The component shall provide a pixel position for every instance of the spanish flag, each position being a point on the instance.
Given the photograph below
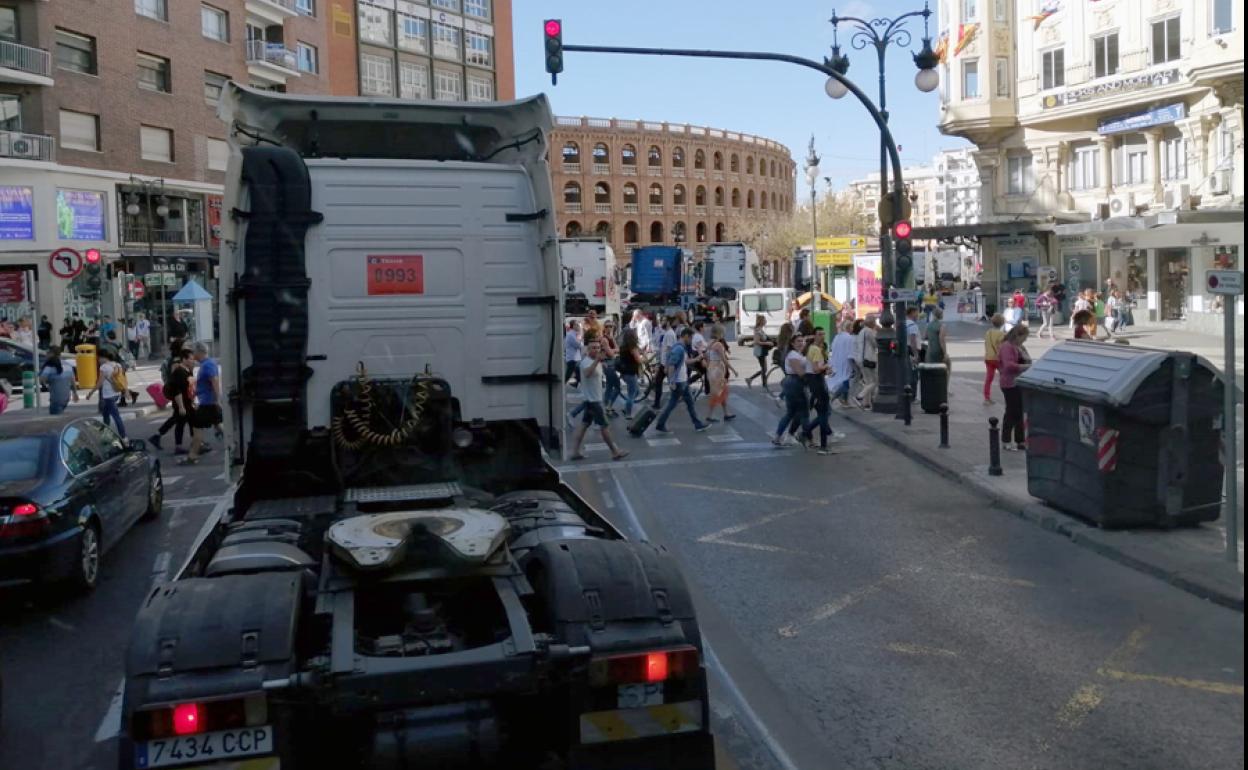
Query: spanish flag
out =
(966, 33)
(942, 47)
(1046, 11)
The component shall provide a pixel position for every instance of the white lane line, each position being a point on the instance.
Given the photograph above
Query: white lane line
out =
(187, 502)
(673, 441)
(219, 477)
(61, 624)
(679, 460)
(1018, 582)
(904, 648)
(161, 566)
(110, 725)
(596, 448)
(725, 438)
(171, 480)
(720, 537)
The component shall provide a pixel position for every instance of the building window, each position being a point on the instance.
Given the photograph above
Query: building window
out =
(1085, 165)
(152, 9)
(1173, 156)
(970, 10)
(1105, 55)
(445, 41)
(75, 52)
(1221, 16)
(308, 57)
(376, 75)
(306, 7)
(479, 49)
(218, 154)
(214, 23)
(8, 23)
(154, 73)
(1131, 160)
(413, 80)
(80, 131)
(628, 155)
(654, 157)
(214, 86)
(970, 79)
(375, 25)
(480, 88)
(1020, 180)
(448, 86)
(413, 33)
(1053, 69)
(450, 5)
(479, 9)
(1001, 73)
(156, 144)
(1166, 40)
(1000, 10)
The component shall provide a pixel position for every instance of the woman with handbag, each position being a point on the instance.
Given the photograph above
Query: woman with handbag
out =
(762, 348)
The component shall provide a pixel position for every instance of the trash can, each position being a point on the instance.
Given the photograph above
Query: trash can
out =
(87, 365)
(822, 319)
(933, 387)
(1124, 436)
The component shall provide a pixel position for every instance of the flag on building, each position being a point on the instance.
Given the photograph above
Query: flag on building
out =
(1047, 10)
(942, 47)
(966, 33)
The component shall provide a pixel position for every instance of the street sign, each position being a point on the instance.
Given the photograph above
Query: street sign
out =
(12, 287)
(1225, 281)
(839, 251)
(65, 263)
(903, 295)
(137, 289)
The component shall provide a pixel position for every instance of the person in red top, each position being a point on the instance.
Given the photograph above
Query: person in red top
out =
(1014, 360)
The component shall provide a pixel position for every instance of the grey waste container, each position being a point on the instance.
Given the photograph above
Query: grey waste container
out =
(933, 387)
(1124, 436)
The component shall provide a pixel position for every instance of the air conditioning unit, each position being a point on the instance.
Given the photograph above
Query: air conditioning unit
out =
(1122, 205)
(1099, 211)
(21, 147)
(1178, 198)
(1220, 182)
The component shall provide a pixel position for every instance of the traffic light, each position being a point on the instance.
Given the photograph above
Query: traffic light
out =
(554, 48)
(904, 250)
(94, 266)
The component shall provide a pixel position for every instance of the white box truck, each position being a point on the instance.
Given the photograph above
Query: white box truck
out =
(590, 277)
(728, 268)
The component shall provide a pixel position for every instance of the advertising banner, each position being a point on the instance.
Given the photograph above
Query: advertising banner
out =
(17, 214)
(868, 276)
(79, 215)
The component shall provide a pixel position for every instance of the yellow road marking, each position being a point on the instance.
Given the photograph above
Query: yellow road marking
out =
(720, 537)
(1127, 650)
(1220, 688)
(918, 649)
(1081, 704)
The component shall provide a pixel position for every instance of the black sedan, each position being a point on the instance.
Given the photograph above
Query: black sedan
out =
(15, 359)
(69, 489)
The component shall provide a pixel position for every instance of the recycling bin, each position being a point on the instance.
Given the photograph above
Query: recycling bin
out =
(87, 365)
(1124, 436)
(933, 387)
(822, 319)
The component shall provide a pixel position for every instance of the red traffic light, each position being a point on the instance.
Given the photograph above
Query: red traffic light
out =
(93, 256)
(902, 230)
(553, 27)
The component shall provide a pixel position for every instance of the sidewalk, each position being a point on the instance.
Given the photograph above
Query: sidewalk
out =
(139, 378)
(1192, 559)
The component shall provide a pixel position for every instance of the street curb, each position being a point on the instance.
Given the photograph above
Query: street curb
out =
(1054, 521)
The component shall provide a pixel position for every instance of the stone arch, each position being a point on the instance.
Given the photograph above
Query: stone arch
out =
(736, 198)
(628, 155)
(678, 195)
(700, 232)
(734, 164)
(602, 192)
(678, 157)
(573, 229)
(656, 232)
(699, 159)
(602, 154)
(717, 161)
(571, 152)
(631, 232)
(654, 157)
(699, 196)
(721, 232)
(572, 192)
(719, 196)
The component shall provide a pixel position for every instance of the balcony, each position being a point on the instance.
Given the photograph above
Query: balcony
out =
(24, 64)
(572, 208)
(699, 211)
(602, 208)
(602, 169)
(678, 209)
(628, 170)
(272, 11)
(631, 208)
(678, 171)
(161, 236)
(572, 168)
(656, 208)
(271, 62)
(19, 146)
(654, 170)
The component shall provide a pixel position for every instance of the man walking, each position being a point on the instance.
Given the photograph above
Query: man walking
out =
(111, 383)
(572, 354)
(144, 329)
(594, 413)
(677, 371)
(207, 412)
(177, 389)
(667, 341)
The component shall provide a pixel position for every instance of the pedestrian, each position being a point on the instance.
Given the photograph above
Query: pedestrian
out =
(698, 348)
(937, 339)
(111, 383)
(24, 334)
(592, 324)
(804, 325)
(59, 379)
(667, 341)
(45, 333)
(144, 328)
(678, 381)
(1046, 303)
(591, 378)
(132, 337)
(718, 368)
(795, 313)
(992, 354)
(1082, 302)
(66, 334)
(611, 347)
(816, 383)
(779, 351)
(207, 412)
(108, 328)
(1114, 305)
(914, 347)
(839, 365)
(1098, 309)
(177, 388)
(1085, 325)
(178, 330)
(929, 302)
(868, 357)
(628, 367)
(572, 354)
(762, 345)
(1014, 361)
(793, 389)
(855, 326)
(643, 328)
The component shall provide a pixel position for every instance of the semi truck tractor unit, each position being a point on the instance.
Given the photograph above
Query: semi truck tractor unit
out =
(589, 277)
(397, 576)
(657, 274)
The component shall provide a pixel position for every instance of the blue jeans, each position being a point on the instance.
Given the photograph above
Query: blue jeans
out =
(795, 405)
(613, 386)
(680, 392)
(109, 410)
(630, 393)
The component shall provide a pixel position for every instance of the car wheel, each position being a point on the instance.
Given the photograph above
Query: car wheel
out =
(155, 496)
(87, 566)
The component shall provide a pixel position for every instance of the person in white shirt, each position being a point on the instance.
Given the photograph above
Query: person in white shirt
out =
(642, 326)
(793, 390)
(24, 334)
(109, 395)
(667, 341)
(795, 314)
(676, 363)
(573, 352)
(144, 329)
(591, 388)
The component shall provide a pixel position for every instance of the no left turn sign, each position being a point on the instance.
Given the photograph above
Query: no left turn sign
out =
(65, 263)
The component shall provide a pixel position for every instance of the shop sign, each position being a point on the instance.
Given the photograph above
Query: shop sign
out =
(1125, 85)
(17, 214)
(12, 287)
(1146, 119)
(161, 279)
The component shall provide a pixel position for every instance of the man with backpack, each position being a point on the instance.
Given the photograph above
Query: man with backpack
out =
(677, 375)
(177, 378)
(111, 384)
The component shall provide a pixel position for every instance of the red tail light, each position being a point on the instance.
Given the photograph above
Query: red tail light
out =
(186, 719)
(25, 509)
(200, 717)
(23, 520)
(644, 668)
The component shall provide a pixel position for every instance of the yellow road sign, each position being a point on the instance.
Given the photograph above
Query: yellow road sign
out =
(839, 251)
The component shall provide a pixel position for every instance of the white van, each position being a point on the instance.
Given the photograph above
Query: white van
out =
(771, 304)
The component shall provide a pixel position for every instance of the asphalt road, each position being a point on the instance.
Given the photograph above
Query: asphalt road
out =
(859, 611)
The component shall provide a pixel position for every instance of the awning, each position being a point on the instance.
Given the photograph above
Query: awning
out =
(804, 299)
(192, 292)
(1008, 229)
(1173, 229)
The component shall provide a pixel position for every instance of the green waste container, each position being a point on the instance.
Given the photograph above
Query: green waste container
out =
(822, 319)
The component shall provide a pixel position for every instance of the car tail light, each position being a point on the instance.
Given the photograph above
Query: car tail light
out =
(25, 509)
(644, 668)
(23, 520)
(192, 718)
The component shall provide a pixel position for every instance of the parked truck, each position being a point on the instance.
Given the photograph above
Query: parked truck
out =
(397, 577)
(589, 277)
(728, 268)
(656, 279)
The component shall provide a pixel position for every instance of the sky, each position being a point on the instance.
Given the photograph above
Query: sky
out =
(779, 101)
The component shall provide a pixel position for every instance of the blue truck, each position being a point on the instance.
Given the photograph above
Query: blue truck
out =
(656, 279)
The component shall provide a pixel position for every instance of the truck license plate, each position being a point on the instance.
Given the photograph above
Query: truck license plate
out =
(634, 696)
(208, 747)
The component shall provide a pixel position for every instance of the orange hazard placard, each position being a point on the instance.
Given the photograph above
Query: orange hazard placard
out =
(396, 274)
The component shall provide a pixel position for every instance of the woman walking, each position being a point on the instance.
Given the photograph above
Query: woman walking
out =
(793, 389)
(839, 366)
(718, 369)
(868, 358)
(992, 354)
(628, 366)
(1046, 303)
(762, 347)
(1014, 361)
(59, 380)
(817, 386)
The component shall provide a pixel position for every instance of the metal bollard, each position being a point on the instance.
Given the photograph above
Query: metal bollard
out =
(944, 426)
(994, 447)
(906, 411)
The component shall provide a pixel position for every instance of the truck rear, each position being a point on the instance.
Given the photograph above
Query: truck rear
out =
(398, 578)
(730, 268)
(590, 277)
(656, 278)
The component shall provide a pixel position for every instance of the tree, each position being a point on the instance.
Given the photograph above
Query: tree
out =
(839, 214)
